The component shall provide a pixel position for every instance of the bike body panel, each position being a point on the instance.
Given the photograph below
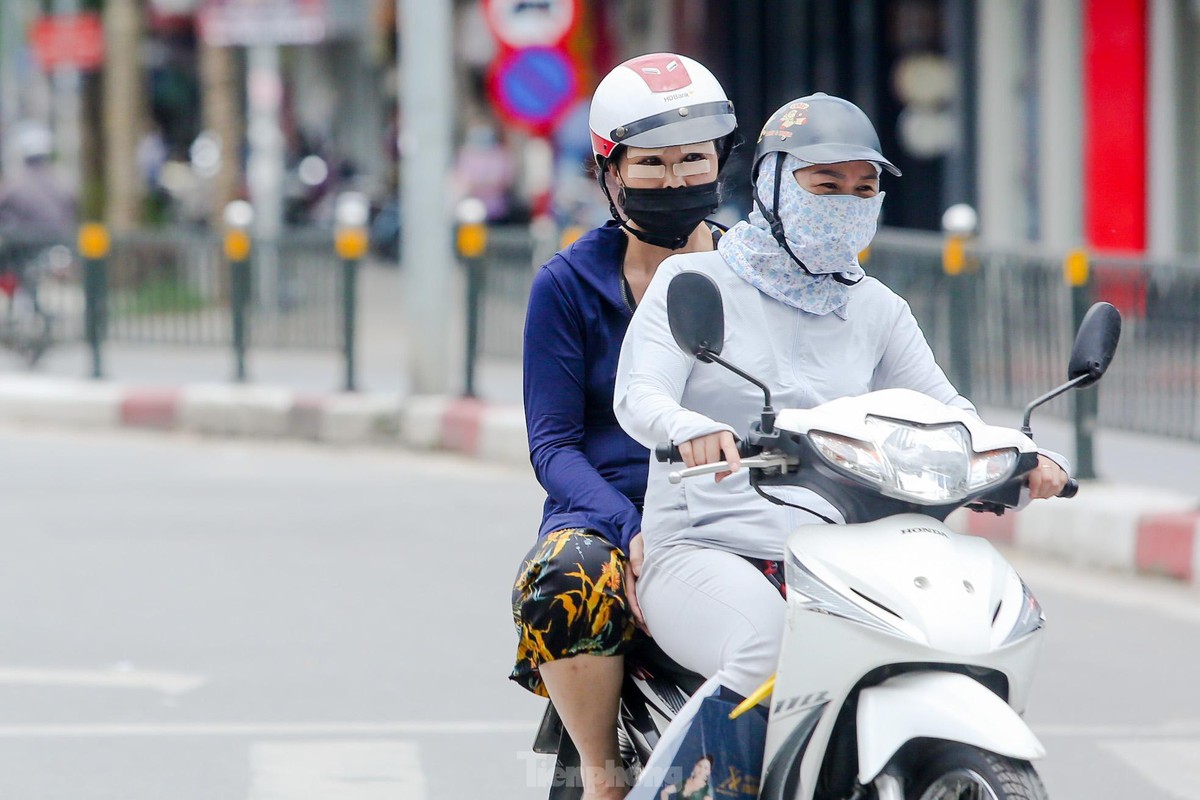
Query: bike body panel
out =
(940, 706)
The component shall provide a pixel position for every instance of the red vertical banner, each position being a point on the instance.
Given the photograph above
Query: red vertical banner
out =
(1115, 111)
(1115, 169)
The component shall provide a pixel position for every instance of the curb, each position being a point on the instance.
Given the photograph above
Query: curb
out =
(210, 409)
(426, 422)
(1107, 526)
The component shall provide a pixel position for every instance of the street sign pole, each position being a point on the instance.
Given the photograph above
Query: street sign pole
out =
(262, 27)
(427, 124)
(10, 43)
(265, 164)
(67, 102)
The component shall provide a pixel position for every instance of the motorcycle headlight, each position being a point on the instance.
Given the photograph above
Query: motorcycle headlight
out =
(930, 465)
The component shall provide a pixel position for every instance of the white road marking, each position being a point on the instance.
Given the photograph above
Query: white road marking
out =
(119, 677)
(347, 770)
(135, 729)
(1169, 765)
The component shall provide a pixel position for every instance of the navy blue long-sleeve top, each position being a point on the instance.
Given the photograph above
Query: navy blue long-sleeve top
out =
(594, 474)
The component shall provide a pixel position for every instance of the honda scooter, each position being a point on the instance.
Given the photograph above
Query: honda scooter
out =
(909, 649)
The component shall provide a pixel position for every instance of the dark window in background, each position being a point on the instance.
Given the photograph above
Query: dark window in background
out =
(891, 58)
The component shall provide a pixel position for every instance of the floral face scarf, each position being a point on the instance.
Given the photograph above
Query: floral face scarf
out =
(825, 232)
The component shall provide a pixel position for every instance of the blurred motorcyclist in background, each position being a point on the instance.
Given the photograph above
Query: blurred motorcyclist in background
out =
(32, 199)
(36, 210)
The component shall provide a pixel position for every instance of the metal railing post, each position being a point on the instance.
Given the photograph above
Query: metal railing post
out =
(959, 223)
(239, 215)
(351, 213)
(1085, 403)
(471, 240)
(94, 246)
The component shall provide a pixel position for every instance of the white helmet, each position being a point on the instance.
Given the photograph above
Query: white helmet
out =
(659, 100)
(33, 140)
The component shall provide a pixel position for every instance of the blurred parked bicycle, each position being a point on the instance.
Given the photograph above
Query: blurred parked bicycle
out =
(26, 328)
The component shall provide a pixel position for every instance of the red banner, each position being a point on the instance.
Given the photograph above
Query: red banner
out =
(1114, 74)
(68, 40)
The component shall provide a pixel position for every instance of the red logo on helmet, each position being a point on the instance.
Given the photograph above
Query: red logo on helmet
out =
(662, 72)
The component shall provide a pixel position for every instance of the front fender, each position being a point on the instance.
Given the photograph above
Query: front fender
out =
(937, 705)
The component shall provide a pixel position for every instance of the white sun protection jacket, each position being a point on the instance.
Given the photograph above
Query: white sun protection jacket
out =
(663, 394)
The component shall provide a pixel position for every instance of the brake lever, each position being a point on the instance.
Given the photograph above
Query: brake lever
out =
(764, 461)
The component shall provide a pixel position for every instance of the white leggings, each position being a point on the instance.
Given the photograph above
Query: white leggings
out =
(714, 613)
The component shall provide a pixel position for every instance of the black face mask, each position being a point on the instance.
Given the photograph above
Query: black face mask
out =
(667, 217)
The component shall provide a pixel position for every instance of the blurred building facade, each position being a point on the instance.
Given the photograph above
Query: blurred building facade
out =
(164, 119)
(1064, 122)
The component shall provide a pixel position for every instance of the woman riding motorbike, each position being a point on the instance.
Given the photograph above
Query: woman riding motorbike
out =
(661, 128)
(801, 315)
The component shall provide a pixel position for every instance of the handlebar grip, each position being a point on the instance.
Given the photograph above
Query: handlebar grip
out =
(1071, 489)
(668, 452)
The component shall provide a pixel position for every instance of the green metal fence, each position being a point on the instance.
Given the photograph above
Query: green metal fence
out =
(177, 287)
(174, 288)
(1002, 328)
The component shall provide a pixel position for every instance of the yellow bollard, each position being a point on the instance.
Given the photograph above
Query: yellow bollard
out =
(1075, 268)
(94, 242)
(350, 243)
(472, 239)
(954, 255)
(237, 244)
(238, 217)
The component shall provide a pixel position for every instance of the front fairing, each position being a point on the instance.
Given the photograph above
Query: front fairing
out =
(909, 594)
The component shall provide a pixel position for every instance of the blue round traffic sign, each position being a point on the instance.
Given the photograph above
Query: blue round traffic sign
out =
(533, 86)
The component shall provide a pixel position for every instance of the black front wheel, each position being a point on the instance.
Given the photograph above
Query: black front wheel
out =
(956, 771)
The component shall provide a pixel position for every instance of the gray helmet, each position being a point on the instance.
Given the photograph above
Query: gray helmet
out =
(821, 129)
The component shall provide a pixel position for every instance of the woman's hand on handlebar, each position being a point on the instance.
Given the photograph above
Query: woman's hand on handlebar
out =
(1046, 480)
(720, 446)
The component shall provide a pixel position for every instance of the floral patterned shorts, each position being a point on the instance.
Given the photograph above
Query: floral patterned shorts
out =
(569, 600)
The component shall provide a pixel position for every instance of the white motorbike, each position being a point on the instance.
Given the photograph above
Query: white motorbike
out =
(909, 649)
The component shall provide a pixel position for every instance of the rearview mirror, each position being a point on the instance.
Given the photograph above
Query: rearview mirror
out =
(696, 315)
(1095, 344)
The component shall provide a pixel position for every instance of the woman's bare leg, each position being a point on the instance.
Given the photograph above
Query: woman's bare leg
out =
(586, 691)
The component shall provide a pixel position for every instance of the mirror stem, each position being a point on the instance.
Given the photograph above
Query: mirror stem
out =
(1048, 396)
(768, 413)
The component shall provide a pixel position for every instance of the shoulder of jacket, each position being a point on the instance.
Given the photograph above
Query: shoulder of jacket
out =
(874, 291)
(585, 254)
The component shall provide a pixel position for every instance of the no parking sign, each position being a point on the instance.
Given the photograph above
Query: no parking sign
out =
(532, 87)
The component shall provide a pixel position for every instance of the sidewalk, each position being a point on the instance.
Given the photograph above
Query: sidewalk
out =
(1144, 516)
